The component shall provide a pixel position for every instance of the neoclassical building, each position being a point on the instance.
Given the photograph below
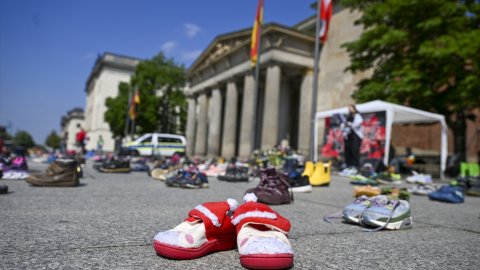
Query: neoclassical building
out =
(222, 84)
(108, 72)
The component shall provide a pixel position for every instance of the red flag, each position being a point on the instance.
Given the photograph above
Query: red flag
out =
(325, 16)
(256, 31)
(134, 105)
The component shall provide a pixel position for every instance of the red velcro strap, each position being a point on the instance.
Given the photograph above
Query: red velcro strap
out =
(258, 213)
(214, 217)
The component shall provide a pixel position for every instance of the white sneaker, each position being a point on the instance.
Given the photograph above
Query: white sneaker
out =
(420, 179)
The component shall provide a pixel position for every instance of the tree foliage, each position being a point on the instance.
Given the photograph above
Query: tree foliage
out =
(4, 134)
(162, 100)
(53, 140)
(423, 53)
(23, 139)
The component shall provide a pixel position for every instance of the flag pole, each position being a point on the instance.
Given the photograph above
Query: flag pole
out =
(257, 79)
(315, 84)
(127, 118)
(134, 112)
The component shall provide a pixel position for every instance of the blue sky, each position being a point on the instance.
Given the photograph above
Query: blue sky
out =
(48, 47)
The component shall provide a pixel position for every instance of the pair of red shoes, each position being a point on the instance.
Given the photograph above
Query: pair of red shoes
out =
(259, 233)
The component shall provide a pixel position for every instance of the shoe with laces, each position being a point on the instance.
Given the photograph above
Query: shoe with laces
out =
(273, 188)
(352, 212)
(387, 214)
(61, 173)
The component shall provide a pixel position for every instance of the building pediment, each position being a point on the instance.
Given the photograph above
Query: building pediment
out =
(233, 48)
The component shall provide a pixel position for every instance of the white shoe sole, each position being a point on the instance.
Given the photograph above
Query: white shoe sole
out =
(399, 225)
(301, 189)
(351, 219)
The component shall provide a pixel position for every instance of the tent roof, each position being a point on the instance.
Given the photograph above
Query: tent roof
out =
(401, 114)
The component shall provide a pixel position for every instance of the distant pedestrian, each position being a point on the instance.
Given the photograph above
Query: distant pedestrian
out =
(100, 143)
(80, 139)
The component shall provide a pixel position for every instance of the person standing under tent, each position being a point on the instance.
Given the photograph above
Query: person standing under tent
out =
(352, 135)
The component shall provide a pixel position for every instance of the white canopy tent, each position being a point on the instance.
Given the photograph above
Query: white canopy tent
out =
(395, 114)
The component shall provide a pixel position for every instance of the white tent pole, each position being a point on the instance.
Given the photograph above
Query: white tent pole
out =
(443, 149)
(315, 140)
(388, 135)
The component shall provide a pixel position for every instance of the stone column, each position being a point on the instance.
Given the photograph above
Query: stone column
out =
(271, 107)
(305, 112)
(191, 126)
(230, 121)
(214, 118)
(246, 139)
(202, 118)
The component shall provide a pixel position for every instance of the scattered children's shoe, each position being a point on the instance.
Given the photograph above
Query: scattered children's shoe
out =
(362, 180)
(420, 179)
(473, 186)
(208, 228)
(300, 184)
(348, 172)
(3, 189)
(321, 175)
(395, 193)
(422, 189)
(449, 194)
(262, 236)
(368, 191)
(387, 214)
(352, 212)
(61, 173)
(273, 188)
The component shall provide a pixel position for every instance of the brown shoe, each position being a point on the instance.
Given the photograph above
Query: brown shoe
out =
(273, 188)
(61, 173)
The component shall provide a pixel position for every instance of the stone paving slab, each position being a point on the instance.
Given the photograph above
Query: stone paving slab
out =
(109, 222)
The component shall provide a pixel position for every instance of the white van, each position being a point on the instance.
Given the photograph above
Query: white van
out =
(158, 144)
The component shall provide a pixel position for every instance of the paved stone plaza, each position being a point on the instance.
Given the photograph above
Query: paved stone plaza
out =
(109, 222)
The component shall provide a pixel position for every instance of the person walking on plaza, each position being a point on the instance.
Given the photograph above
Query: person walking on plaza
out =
(100, 145)
(353, 136)
(80, 139)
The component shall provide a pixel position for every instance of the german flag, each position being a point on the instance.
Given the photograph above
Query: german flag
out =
(134, 105)
(256, 31)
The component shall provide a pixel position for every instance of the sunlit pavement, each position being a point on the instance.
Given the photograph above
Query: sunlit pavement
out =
(109, 221)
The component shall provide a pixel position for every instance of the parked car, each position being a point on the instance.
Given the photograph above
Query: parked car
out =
(157, 144)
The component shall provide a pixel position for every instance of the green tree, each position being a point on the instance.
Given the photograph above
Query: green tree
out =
(160, 82)
(423, 53)
(4, 134)
(23, 139)
(53, 140)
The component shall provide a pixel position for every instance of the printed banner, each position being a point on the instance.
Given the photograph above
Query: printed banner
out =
(373, 143)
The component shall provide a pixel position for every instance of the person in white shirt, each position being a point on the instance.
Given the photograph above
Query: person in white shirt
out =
(353, 136)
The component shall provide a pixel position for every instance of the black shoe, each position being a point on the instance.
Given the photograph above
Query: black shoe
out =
(300, 184)
(473, 186)
(193, 180)
(115, 166)
(3, 189)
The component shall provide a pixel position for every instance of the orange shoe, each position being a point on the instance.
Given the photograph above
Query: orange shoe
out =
(368, 191)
